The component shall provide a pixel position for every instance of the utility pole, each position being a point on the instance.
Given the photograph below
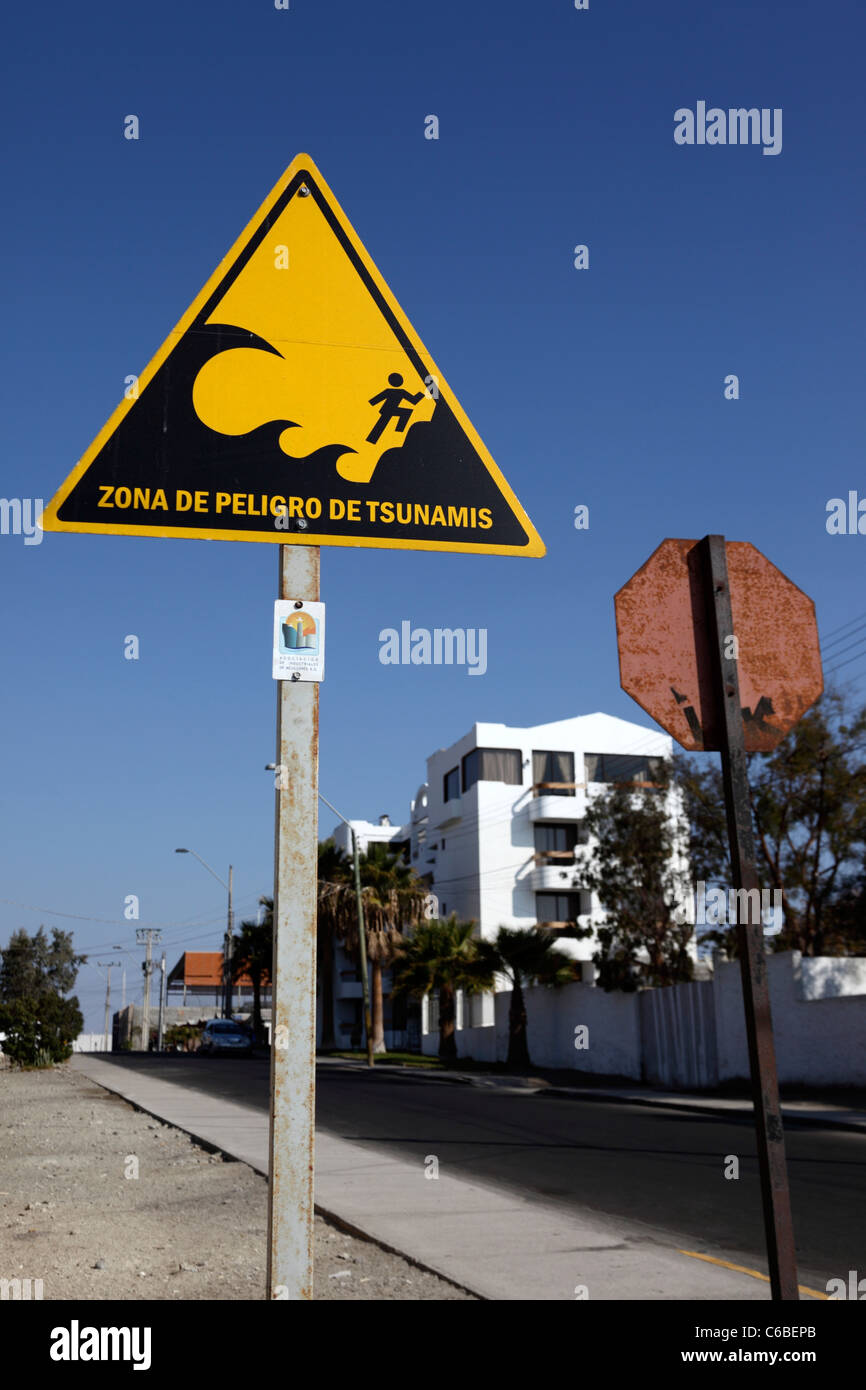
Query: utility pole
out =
(109, 965)
(160, 1032)
(145, 936)
(107, 1006)
(227, 953)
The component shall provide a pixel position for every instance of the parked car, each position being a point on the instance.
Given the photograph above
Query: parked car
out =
(223, 1035)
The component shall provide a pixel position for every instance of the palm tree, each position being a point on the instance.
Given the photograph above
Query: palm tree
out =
(443, 955)
(252, 954)
(394, 898)
(526, 957)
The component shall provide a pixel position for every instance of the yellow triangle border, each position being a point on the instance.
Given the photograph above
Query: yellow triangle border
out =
(301, 164)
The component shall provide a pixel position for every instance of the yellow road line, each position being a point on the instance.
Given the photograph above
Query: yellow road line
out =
(755, 1273)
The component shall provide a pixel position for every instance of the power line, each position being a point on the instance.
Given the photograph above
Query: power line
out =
(826, 646)
(174, 941)
(858, 656)
(851, 621)
(858, 641)
(108, 921)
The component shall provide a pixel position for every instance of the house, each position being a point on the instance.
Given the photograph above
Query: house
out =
(198, 976)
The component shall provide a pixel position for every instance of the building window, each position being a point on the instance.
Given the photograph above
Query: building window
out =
(476, 1010)
(557, 907)
(452, 784)
(555, 839)
(554, 767)
(620, 767)
(492, 765)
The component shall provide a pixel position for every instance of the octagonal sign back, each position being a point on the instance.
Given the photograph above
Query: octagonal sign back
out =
(666, 660)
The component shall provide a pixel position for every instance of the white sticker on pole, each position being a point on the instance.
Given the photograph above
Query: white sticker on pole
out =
(299, 640)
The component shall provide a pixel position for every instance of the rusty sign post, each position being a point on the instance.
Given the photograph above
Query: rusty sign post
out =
(293, 987)
(701, 627)
(776, 1199)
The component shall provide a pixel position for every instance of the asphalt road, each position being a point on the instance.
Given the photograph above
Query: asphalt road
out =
(663, 1168)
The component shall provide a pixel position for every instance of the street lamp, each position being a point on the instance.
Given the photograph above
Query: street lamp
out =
(230, 926)
(362, 931)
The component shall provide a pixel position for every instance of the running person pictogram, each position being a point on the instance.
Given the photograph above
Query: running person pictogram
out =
(391, 409)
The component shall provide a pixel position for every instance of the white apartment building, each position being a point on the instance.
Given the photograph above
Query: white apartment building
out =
(368, 832)
(497, 825)
(497, 828)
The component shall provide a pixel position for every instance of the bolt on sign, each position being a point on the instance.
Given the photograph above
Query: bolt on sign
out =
(666, 658)
(295, 403)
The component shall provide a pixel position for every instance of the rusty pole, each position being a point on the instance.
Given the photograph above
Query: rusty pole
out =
(778, 1225)
(293, 987)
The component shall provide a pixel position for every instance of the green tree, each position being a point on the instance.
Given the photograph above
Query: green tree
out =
(252, 955)
(183, 1037)
(443, 955)
(394, 899)
(40, 1030)
(634, 864)
(526, 957)
(35, 973)
(31, 964)
(808, 801)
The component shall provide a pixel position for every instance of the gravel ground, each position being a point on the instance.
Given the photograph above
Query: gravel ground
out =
(190, 1225)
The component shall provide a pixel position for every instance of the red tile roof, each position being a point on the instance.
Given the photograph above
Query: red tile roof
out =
(204, 970)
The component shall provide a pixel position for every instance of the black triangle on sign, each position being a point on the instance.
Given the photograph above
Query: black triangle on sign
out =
(294, 402)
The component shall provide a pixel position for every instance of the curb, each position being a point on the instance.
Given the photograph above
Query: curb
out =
(695, 1107)
(334, 1219)
(692, 1106)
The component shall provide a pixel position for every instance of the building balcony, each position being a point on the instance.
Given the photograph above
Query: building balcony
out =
(555, 801)
(553, 872)
(583, 919)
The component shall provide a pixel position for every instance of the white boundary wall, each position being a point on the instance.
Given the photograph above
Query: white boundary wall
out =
(819, 1023)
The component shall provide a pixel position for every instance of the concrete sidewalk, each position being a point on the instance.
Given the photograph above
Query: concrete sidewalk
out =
(815, 1111)
(496, 1243)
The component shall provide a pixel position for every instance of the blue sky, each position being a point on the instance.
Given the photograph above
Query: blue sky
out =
(602, 387)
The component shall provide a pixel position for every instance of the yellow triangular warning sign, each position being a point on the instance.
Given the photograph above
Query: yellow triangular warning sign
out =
(294, 402)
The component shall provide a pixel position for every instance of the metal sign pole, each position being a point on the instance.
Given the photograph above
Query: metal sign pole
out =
(293, 987)
(781, 1252)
